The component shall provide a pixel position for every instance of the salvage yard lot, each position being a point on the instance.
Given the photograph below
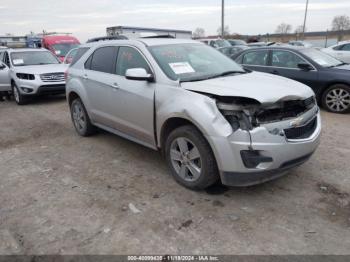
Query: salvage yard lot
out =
(61, 193)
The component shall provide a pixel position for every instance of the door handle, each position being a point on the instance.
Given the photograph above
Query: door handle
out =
(85, 76)
(115, 86)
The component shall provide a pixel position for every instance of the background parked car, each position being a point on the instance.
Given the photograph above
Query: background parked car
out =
(235, 42)
(340, 51)
(232, 50)
(327, 76)
(60, 45)
(216, 43)
(300, 43)
(31, 72)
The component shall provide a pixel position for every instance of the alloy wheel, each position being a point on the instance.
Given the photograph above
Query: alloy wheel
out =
(186, 159)
(338, 100)
(79, 117)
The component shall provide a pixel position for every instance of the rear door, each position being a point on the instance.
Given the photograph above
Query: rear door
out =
(285, 63)
(256, 60)
(5, 80)
(100, 81)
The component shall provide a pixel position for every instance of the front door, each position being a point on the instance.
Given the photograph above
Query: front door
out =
(285, 63)
(5, 80)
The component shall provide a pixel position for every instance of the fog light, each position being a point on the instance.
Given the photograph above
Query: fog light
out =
(27, 90)
(252, 158)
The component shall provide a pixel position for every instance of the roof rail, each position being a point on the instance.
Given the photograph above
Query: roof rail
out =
(159, 36)
(106, 38)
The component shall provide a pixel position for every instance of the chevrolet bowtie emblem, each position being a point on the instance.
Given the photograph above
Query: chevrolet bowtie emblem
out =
(297, 122)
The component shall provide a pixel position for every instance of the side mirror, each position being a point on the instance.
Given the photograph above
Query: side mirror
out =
(305, 66)
(2, 66)
(139, 74)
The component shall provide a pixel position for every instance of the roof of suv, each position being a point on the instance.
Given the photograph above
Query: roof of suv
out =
(146, 41)
(26, 50)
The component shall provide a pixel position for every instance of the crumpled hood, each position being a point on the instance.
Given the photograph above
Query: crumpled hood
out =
(265, 88)
(41, 69)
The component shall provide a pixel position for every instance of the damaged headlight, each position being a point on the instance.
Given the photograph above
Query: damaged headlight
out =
(239, 112)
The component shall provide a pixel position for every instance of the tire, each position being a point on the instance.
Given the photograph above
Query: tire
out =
(18, 97)
(80, 119)
(182, 147)
(336, 99)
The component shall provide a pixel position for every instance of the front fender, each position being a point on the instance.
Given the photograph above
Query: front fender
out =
(199, 109)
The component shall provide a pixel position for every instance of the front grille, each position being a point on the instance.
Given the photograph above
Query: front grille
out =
(301, 132)
(287, 109)
(52, 77)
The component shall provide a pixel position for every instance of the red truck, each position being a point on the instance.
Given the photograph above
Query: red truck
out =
(60, 45)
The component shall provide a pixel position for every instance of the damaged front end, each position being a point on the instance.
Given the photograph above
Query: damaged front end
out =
(290, 120)
(247, 114)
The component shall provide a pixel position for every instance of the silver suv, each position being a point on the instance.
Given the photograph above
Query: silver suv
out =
(31, 72)
(211, 118)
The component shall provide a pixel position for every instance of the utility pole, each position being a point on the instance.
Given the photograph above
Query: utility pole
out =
(304, 26)
(223, 19)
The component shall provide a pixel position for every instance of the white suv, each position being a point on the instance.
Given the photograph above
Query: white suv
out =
(211, 118)
(31, 72)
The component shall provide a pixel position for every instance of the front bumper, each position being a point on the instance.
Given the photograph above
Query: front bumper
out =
(39, 87)
(284, 153)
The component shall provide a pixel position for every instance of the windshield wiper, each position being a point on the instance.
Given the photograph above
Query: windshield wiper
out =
(338, 65)
(226, 73)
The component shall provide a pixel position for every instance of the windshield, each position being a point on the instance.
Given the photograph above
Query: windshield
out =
(33, 58)
(321, 58)
(237, 42)
(63, 49)
(193, 62)
(222, 43)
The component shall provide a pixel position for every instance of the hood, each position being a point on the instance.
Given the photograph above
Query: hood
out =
(343, 67)
(41, 69)
(265, 88)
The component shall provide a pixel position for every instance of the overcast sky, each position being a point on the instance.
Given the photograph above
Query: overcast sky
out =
(89, 18)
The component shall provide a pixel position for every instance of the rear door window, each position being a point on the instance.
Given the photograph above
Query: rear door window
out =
(286, 59)
(346, 47)
(128, 58)
(103, 59)
(258, 58)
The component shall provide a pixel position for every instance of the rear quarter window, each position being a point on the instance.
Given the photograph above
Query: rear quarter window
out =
(81, 51)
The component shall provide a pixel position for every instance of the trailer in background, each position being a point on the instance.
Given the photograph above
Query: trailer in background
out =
(11, 41)
(140, 32)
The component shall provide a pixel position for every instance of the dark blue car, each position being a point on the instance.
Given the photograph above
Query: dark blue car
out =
(327, 76)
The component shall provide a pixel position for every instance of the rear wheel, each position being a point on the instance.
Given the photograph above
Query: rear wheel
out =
(81, 119)
(19, 98)
(190, 158)
(336, 99)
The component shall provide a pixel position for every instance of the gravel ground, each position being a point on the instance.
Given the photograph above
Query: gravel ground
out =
(64, 194)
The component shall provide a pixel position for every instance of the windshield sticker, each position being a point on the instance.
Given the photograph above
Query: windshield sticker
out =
(321, 62)
(18, 61)
(181, 68)
(58, 52)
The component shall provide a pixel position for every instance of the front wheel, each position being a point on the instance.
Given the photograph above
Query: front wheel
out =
(190, 158)
(19, 98)
(336, 99)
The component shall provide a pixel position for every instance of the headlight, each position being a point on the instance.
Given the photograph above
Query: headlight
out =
(25, 76)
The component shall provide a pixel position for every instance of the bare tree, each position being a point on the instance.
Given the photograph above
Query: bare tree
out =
(341, 23)
(283, 29)
(198, 33)
(226, 31)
